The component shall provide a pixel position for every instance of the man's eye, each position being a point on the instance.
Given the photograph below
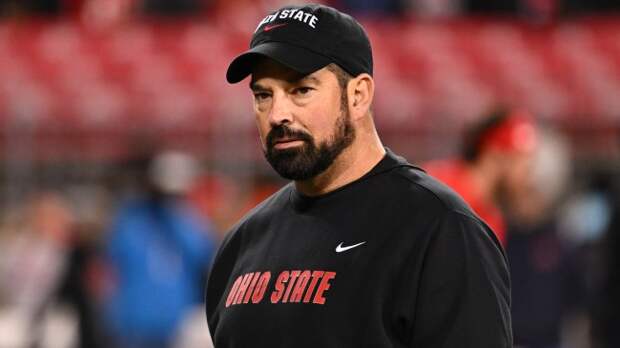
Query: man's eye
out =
(302, 90)
(261, 96)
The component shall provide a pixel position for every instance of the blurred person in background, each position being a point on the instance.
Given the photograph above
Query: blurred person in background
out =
(548, 272)
(33, 262)
(606, 305)
(497, 150)
(83, 284)
(512, 177)
(158, 251)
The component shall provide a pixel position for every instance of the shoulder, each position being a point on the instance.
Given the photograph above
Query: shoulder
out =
(419, 186)
(425, 198)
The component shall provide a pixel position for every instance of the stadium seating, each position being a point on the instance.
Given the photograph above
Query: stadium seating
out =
(59, 75)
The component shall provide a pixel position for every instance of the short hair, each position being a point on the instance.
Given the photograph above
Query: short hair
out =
(342, 76)
(476, 133)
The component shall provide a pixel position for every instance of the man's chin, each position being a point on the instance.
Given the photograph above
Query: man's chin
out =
(289, 163)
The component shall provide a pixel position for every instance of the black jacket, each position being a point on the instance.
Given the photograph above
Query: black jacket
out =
(394, 259)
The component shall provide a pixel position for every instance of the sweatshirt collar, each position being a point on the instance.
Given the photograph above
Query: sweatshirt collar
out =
(389, 161)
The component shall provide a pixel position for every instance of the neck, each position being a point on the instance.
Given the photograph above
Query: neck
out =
(353, 163)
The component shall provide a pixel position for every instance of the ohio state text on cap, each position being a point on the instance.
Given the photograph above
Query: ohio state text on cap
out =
(306, 38)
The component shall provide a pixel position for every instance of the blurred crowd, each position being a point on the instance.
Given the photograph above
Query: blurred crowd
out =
(117, 263)
(115, 252)
(535, 9)
(122, 261)
(516, 175)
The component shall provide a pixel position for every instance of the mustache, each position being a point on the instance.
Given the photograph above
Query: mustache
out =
(280, 132)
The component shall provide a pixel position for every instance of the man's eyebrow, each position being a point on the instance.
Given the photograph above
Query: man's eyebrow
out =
(256, 86)
(309, 78)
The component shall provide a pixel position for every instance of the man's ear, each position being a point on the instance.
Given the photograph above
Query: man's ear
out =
(360, 91)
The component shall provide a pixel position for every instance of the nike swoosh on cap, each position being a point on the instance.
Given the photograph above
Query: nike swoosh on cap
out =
(340, 248)
(273, 26)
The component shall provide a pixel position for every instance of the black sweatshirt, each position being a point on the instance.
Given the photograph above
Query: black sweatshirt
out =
(393, 259)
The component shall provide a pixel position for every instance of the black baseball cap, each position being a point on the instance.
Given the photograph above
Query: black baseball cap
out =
(306, 38)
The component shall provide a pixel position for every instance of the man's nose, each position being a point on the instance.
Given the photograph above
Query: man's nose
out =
(281, 110)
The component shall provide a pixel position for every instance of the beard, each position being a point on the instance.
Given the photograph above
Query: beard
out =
(309, 159)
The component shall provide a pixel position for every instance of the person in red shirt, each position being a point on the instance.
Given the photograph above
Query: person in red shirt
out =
(496, 156)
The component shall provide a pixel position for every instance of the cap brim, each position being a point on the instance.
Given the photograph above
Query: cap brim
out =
(297, 58)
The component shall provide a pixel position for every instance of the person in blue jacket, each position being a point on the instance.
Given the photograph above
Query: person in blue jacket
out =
(158, 250)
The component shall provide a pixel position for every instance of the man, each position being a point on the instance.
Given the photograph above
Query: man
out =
(157, 247)
(362, 249)
(497, 154)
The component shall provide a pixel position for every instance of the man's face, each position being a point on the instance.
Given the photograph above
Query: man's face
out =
(516, 173)
(303, 121)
